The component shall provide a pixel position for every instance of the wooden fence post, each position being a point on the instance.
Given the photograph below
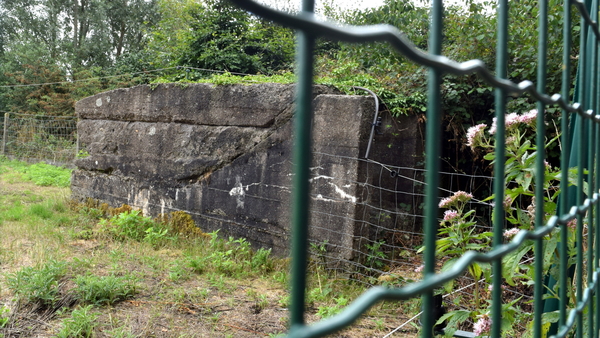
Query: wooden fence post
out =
(5, 133)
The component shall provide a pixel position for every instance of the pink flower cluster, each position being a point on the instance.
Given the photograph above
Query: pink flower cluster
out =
(450, 215)
(572, 223)
(459, 196)
(474, 134)
(507, 202)
(510, 233)
(529, 118)
(419, 268)
(483, 325)
(513, 119)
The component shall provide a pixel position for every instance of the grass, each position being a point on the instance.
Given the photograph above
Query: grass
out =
(77, 271)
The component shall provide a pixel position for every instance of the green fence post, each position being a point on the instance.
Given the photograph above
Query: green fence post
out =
(559, 304)
(596, 222)
(540, 179)
(498, 215)
(593, 223)
(590, 165)
(301, 161)
(432, 165)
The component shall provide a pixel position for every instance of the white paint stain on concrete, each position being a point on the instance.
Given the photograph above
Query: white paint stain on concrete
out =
(98, 102)
(238, 192)
(343, 194)
(320, 177)
(321, 198)
(142, 199)
(152, 131)
(249, 185)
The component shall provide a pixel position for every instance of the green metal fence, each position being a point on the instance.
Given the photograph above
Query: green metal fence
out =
(580, 148)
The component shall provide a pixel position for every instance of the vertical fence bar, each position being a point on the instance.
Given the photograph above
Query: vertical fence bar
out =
(540, 166)
(498, 216)
(564, 164)
(432, 165)
(590, 165)
(594, 225)
(301, 159)
(596, 221)
(590, 216)
(5, 133)
(584, 89)
(579, 226)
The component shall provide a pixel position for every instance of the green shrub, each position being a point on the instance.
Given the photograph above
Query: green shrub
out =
(129, 224)
(37, 285)
(4, 316)
(261, 260)
(197, 264)
(158, 236)
(105, 290)
(81, 324)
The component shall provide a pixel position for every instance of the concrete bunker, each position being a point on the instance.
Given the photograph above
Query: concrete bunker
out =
(223, 154)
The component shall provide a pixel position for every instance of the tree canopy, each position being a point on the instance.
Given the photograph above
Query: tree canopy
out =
(64, 41)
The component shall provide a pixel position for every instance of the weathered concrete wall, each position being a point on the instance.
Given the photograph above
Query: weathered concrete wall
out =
(223, 154)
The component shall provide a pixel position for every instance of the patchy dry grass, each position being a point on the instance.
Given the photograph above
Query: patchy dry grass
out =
(89, 283)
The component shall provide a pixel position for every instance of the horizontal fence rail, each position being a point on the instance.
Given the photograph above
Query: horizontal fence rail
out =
(578, 201)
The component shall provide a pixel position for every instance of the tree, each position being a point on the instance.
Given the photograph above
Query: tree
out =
(63, 40)
(172, 34)
(469, 33)
(227, 38)
(128, 22)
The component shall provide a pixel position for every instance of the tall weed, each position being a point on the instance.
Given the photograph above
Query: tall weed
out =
(81, 324)
(37, 285)
(105, 290)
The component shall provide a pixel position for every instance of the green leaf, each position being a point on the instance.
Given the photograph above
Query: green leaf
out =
(511, 263)
(454, 318)
(549, 250)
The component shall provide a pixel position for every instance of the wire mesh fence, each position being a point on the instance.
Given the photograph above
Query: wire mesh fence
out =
(388, 219)
(34, 138)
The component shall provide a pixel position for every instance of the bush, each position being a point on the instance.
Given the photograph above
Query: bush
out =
(81, 324)
(105, 290)
(37, 285)
(129, 224)
(132, 225)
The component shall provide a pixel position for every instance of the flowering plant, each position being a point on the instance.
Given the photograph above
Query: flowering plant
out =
(457, 234)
